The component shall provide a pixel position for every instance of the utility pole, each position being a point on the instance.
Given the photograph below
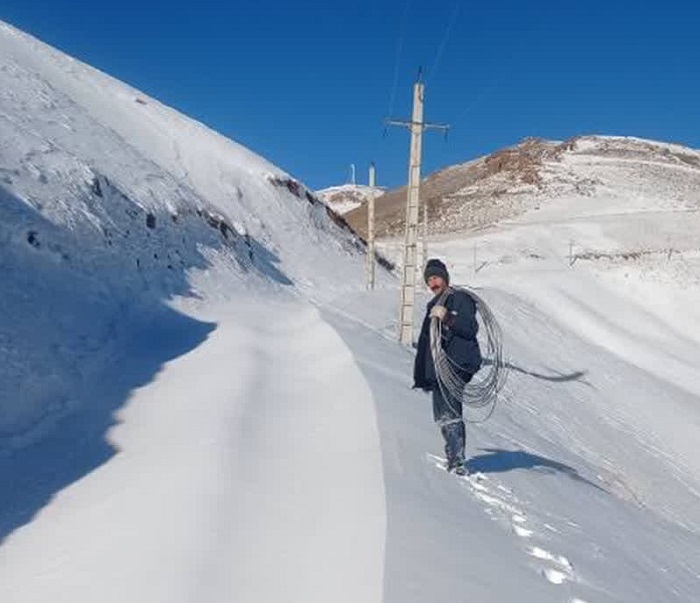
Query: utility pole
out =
(408, 280)
(370, 230)
(424, 238)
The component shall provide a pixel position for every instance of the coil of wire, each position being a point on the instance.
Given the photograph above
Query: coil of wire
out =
(482, 390)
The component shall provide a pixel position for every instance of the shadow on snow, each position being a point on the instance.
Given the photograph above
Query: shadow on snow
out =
(88, 321)
(555, 377)
(496, 460)
(76, 445)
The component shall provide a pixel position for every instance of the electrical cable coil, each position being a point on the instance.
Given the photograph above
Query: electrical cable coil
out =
(482, 390)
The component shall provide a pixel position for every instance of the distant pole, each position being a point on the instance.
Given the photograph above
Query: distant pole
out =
(370, 231)
(372, 175)
(424, 246)
(408, 280)
(352, 174)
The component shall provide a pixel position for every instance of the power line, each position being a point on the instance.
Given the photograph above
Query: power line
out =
(403, 29)
(487, 89)
(496, 80)
(445, 38)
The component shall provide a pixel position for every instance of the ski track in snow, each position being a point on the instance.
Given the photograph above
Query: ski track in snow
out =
(501, 504)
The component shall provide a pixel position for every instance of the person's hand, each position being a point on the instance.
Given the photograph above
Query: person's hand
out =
(438, 312)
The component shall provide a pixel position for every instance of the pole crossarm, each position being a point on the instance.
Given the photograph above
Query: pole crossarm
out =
(424, 125)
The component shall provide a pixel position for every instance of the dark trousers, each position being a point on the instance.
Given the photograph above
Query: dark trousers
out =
(447, 413)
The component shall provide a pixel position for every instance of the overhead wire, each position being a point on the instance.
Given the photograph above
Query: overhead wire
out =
(482, 92)
(445, 38)
(487, 89)
(403, 29)
(505, 69)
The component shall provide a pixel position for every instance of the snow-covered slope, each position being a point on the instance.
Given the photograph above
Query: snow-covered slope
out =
(345, 198)
(537, 173)
(597, 288)
(109, 201)
(200, 402)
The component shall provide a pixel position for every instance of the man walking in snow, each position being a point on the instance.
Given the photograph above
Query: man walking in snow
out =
(459, 328)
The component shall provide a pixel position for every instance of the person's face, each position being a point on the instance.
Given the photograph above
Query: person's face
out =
(436, 284)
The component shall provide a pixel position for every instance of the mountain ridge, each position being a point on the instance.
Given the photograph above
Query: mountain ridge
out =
(512, 181)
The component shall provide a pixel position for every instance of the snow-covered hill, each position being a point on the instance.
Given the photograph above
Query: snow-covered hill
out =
(109, 201)
(200, 402)
(343, 199)
(537, 173)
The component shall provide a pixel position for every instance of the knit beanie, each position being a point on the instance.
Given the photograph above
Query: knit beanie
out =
(435, 267)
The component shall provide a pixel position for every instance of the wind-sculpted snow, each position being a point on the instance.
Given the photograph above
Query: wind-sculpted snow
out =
(231, 468)
(79, 254)
(110, 203)
(116, 213)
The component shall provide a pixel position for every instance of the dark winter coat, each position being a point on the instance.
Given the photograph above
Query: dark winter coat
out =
(459, 331)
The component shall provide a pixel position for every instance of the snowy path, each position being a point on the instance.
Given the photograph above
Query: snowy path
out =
(231, 482)
(546, 504)
(310, 465)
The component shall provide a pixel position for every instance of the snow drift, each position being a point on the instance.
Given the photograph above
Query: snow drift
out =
(109, 201)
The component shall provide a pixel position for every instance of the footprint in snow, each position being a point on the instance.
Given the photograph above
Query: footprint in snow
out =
(517, 522)
(560, 570)
(560, 560)
(501, 501)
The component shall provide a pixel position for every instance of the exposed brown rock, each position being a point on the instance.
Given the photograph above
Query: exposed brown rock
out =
(512, 181)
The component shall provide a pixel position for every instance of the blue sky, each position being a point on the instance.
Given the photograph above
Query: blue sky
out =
(308, 85)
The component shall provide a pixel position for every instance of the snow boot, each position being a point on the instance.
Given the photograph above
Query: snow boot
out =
(460, 470)
(454, 435)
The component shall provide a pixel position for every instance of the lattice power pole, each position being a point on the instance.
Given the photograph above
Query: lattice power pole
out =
(410, 253)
